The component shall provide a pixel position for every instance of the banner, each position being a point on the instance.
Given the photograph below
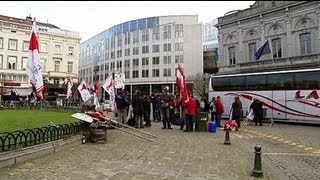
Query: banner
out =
(84, 92)
(119, 79)
(34, 69)
(70, 84)
(108, 86)
(181, 82)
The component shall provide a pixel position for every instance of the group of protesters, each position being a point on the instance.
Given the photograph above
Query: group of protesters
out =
(170, 108)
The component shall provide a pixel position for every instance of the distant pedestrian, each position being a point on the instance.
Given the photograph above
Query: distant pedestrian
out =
(190, 112)
(122, 103)
(153, 102)
(166, 102)
(237, 110)
(138, 109)
(219, 111)
(206, 105)
(256, 106)
(213, 108)
(157, 108)
(147, 110)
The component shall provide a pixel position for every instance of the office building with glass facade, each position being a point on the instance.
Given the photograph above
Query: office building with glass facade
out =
(146, 50)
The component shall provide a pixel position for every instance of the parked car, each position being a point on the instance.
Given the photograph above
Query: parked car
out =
(106, 105)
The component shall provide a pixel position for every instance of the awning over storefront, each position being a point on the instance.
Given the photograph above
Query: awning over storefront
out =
(20, 92)
(24, 92)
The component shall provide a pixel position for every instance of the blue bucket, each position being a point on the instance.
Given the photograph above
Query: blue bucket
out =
(212, 127)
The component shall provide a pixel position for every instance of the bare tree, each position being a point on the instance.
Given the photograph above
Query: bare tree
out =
(200, 84)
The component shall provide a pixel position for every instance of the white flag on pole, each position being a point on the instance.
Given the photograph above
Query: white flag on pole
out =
(84, 92)
(96, 95)
(70, 84)
(108, 86)
(34, 69)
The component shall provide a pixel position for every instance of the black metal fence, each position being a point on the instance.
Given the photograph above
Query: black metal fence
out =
(44, 104)
(29, 137)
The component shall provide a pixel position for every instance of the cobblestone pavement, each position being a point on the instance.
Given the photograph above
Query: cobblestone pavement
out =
(175, 155)
(293, 150)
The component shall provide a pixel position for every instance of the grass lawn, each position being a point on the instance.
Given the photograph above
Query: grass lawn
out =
(11, 120)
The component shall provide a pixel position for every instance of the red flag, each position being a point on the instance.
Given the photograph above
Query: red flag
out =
(181, 81)
(34, 68)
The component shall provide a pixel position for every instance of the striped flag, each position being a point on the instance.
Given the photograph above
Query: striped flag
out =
(84, 92)
(109, 86)
(264, 49)
(181, 82)
(70, 84)
(96, 95)
(34, 69)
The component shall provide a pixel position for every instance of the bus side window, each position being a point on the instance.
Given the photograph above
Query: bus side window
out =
(237, 83)
(256, 82)
(221, 84)
(289, 81)
(273, 82)
(307, 80)
(282, 81)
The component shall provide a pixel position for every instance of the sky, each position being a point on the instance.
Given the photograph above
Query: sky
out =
(92, 17)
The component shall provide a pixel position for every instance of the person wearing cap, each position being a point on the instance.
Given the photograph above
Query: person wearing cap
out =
(237, 110)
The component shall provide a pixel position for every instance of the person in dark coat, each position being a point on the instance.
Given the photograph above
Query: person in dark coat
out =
(122, 102)
(157, 108)
(237, 110)
(256, 106)
(153, 102)
(147, 110)
(166, 102)
(138, 109)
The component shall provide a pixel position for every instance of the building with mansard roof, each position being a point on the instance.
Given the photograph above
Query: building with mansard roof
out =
(290, 27)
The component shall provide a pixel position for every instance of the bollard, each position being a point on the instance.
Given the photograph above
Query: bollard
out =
(227, 137)
(257, 169)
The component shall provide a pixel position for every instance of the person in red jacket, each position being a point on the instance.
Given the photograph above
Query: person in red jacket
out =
(190, 113)
(219, 111)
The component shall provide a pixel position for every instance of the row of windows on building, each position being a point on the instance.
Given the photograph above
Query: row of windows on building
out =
(11, 25)
(305, 48)
(136, 50)
(12, 63)
(14, 78)
(13, 45)
(166, 34)
(21, 78)
(144, 73)
(144, 62)
(111, 43)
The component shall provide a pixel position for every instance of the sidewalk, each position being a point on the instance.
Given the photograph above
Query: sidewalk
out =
(175, 155)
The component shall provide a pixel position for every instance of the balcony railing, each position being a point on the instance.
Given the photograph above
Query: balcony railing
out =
(306, 61)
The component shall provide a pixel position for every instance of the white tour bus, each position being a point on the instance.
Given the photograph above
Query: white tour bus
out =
(291, 95)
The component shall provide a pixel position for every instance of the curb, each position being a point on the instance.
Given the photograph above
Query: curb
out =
(18, 156)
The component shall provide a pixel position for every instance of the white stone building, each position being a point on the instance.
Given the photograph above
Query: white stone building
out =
(146, 50)
(59, 53)
(291, 28)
